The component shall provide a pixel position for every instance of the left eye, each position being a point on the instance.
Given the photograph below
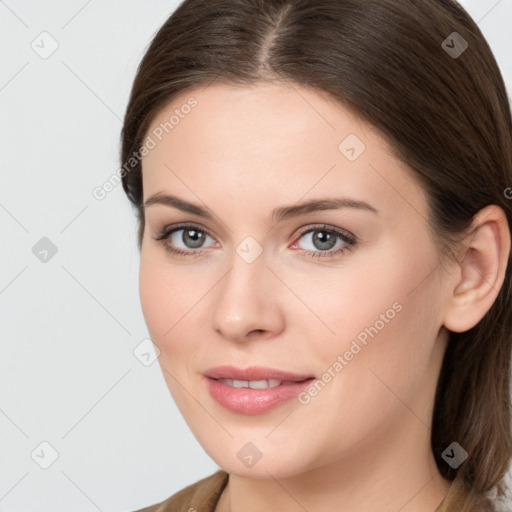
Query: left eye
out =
(325, 240)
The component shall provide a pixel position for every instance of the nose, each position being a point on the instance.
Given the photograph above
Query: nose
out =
(247, 302)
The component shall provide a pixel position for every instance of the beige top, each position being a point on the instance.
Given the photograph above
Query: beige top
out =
(203, 495)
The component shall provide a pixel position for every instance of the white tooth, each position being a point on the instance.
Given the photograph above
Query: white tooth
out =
(252, 384)
(258, 384)
(240, 383)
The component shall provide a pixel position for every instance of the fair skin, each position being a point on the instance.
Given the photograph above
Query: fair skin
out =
(364, 440)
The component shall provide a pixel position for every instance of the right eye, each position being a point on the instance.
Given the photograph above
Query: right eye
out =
(190, 236)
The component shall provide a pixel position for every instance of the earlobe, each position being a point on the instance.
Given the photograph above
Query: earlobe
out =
(482, 270)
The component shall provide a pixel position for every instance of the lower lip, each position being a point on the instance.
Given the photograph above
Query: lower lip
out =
(254, 401)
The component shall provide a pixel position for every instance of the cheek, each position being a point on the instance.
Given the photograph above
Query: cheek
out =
(391, 376)
(171, 300)
(383, 366)
(162, 296)
(162, 306)
(384, 316)
(154, 300)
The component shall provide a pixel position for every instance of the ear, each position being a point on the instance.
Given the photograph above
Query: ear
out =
(482, 270)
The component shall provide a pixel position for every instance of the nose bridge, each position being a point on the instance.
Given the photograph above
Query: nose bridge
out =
(248, 271)
(243, 302)
(245, 282)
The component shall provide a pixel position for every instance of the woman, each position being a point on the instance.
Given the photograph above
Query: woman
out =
(323, 192)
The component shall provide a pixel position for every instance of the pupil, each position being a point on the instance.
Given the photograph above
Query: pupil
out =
(323, 240)
(195, 240)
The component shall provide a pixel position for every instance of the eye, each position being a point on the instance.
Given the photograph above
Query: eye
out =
(326, 241)
(184, 239)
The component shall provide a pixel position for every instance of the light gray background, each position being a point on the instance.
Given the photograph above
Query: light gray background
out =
(68, 374)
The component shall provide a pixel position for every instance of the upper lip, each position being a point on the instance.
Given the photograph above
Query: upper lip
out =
(253, 373)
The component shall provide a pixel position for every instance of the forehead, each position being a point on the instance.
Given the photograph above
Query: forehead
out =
(256, 114)
(277, 139)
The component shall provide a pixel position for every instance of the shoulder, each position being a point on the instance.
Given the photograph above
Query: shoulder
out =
(200, 496)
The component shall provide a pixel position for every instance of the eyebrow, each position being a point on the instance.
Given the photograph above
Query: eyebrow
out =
(278, 214)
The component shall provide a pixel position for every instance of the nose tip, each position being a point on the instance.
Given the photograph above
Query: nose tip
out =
(244, 306)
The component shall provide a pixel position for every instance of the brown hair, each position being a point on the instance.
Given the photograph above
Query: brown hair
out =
(446, 116)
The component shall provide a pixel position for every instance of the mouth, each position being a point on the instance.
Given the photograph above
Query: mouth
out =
(253, 390)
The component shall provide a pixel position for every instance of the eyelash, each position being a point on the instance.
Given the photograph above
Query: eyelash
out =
(349, 239)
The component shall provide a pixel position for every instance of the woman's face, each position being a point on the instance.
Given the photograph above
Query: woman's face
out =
(350, 294)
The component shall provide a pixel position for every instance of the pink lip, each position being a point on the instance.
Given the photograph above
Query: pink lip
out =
(253, 401)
